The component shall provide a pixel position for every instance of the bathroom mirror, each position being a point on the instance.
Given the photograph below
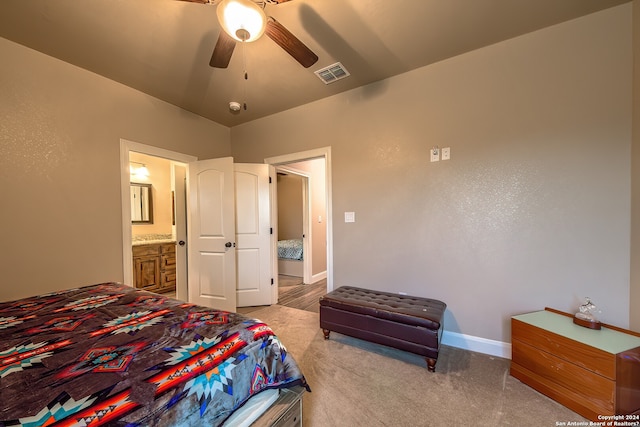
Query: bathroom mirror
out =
(141, 204)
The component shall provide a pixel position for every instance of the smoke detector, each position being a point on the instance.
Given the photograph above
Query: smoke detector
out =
(234, 106)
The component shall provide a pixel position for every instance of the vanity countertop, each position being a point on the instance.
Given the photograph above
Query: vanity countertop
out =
(152, 242)
(152, 239)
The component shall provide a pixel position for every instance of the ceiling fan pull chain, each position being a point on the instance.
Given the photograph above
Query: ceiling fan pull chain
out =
(246, 76)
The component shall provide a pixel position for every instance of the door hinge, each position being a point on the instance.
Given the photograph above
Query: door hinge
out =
(270, 230)
(269, 180)
(272, 281)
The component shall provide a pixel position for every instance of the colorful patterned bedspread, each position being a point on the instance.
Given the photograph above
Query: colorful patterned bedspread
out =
(111, 355)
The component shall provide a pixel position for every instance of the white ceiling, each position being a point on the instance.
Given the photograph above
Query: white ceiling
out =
(163, 47)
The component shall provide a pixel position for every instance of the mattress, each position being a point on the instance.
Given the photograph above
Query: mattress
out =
(108, 354)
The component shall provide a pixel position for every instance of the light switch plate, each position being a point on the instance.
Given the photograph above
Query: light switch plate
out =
(349, 217)
(435, 154)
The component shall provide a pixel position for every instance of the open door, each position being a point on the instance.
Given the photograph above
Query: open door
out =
(215, 283)
(211, 231)
(255, 278)
(179, 199)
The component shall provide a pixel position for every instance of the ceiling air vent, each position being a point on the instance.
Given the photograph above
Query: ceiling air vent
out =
(332, 73)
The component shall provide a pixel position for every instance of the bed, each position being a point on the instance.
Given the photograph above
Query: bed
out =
(108, 354)
(290, 257)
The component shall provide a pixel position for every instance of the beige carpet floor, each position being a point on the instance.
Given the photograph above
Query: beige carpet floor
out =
(356, 383)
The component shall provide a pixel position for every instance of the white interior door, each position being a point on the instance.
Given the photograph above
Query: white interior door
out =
(253, 235)
(179, 173)
(211, 231)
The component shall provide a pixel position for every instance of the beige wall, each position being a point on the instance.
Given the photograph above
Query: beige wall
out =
(635, 178)
(60, 130)
(289, 207)
(532, 210)
(315, 170)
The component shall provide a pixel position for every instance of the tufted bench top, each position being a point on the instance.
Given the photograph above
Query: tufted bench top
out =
(404, 309)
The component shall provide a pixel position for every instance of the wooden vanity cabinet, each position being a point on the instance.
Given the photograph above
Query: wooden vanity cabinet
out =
(168, 267)
(154, 267)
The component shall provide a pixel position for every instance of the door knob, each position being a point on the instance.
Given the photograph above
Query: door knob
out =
(181, 242)
(227, 245)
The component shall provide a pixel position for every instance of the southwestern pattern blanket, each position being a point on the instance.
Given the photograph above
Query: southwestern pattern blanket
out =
(108, 354)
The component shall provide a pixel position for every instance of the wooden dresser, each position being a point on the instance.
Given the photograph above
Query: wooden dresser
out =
(592, 372)
(154, 267)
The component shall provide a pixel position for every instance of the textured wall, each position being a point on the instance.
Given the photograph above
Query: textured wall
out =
(60, 130)
(532, 210)
(635, 178)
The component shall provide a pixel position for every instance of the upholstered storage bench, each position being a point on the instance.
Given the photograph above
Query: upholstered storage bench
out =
(407, 323)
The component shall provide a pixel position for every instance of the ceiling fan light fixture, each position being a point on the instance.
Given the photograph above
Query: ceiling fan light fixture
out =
(243, 20)
(139, 172)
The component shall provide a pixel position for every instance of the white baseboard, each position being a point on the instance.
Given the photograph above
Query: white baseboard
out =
(317, 277)
(477, 344)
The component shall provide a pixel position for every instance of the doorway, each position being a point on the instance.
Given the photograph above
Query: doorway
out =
(177, 163)
(318, 241)
(179, 158)
(301, 240)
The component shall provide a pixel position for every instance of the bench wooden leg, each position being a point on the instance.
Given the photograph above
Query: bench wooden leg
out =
(326, 333)
(431, 364)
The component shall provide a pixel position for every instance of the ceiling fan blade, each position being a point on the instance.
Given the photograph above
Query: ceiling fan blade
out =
(290, 43)
(223, 51)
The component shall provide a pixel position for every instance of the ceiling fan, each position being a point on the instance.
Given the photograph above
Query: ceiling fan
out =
(235, 17)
